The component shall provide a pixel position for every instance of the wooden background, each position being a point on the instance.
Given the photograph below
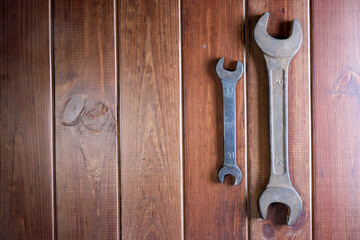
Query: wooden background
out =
(111, 119)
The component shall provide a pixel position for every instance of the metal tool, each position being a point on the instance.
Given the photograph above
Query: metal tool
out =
(229, 80)
(277, 54)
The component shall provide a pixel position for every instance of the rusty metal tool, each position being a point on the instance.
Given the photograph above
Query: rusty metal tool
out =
(228, 81)
(277, 54)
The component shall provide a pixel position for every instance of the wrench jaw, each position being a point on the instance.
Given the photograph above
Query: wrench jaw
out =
(277, 48)
(285, 195)
(231, 76)
(230, 170)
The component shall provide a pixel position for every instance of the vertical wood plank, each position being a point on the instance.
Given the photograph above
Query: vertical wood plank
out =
(210, 30)
(281, 15)
(336, 143)
(26, 181)
(150, 119)
(86, 122)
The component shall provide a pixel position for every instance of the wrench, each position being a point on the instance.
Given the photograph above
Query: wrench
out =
(277, 54)
(228, 81)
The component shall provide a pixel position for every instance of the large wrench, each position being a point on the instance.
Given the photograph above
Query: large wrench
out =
(277, 54)
(228, 81)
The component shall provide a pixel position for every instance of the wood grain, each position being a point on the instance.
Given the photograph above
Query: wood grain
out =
(26, 180)
(150, 119)
(210, 30)
(86, 120)
(336, 115)
(281, 13)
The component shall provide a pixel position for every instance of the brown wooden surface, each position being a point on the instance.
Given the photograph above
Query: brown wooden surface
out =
(281, 13)
(145, 202)
(336, 117)
(150, 119)
(210, 30)
(85, 101)
(26, 203)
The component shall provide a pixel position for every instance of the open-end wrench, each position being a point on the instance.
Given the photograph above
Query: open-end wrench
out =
(277, 54)
(228, 81)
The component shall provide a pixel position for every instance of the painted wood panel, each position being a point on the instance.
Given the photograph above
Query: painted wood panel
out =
(210, 30)
(26, 179)
(150, 108)
(85, 120)
(335, 30)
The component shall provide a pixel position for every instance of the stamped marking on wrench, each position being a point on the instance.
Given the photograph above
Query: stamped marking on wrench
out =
(277, 54)
(229, 80)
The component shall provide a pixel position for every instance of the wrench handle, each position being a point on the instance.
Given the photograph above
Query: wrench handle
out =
(278, 121)
(229, 108)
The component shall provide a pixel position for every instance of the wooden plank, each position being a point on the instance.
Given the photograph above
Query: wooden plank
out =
(86, 122)
(336, 82)
(26, 179)
(281, 15)
(150, 119)
(210, 30)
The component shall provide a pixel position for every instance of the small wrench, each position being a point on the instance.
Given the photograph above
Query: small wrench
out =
(277, 54)
(228, 81)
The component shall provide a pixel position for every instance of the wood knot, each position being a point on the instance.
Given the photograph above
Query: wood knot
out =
(95, 117)
(347, 83)
(92, 116)
(268, 231)
(97, 111)
(73, 110)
